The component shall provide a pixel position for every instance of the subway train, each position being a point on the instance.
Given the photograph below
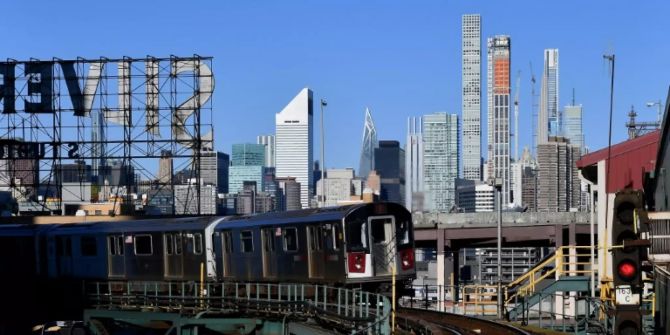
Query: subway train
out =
(356, 245)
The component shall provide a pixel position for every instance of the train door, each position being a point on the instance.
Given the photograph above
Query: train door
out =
(315, 254)
(173, 255)
(64, 255)
(227, 246)
(269, 255)
(116, 261)
(382, 231)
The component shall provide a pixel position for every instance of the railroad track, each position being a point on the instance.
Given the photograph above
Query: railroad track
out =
(433, 322)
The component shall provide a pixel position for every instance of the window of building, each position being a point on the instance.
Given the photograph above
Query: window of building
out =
(143, 245)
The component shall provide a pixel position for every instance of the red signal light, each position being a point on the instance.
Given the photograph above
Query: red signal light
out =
(627, 270)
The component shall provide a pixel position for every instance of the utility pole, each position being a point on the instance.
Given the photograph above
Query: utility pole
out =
(322, 198)
(516, 117)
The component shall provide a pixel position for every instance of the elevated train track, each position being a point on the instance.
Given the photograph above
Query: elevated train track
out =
(422, 321)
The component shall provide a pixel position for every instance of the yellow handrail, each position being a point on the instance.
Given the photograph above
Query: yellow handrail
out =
(562, 267)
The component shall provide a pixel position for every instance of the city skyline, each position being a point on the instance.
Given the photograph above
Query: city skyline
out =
(397, 70)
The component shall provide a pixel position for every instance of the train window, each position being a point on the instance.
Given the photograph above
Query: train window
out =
(197, 244)
(88, 246)
(119, 245)
(143, 245)
(115, 245)
(268, 240)
(111, 245)
(403, 232)
(178, 246)
(227, 242)
(247, 241)
(64, 246)
(357, 235)
(336, 231)
(169, 244)
(290, 239)
(381, 230)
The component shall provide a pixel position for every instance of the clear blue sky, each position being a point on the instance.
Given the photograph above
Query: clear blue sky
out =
(400, 58)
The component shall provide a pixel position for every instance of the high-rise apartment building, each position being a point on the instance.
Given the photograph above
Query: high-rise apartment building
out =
(214, 166)
(293, 143)
(440, 160)
(340, 186)
(572, 126)
(268, 141)
(471, 98)
(558, 178)
(368, 146)
(414, 166)
(390, 164)
(548, 118)
(499, 96)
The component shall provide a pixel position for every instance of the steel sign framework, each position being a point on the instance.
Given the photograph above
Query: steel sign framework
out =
(100, 115)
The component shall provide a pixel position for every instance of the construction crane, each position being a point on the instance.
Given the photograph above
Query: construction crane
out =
(516, 116)
(533, 106)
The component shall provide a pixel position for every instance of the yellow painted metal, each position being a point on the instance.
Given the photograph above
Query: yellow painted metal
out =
(559, 267)
(393, 299)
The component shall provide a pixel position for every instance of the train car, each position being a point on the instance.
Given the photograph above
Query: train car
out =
(350, 245)
(160, 249)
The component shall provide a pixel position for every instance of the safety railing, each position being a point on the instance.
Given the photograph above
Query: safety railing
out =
(566, 261)
(351, 311)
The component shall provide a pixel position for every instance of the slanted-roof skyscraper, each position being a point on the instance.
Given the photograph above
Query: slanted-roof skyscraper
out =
(499, 59)
(368, 146)
(548, 119)
(471, 98)
(293, 142)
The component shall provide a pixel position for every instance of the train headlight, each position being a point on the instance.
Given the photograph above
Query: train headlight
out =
(356, 262)
(407, 259)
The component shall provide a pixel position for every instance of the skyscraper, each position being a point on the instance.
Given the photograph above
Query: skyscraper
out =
(498, 92)
(414, 166)
(471, 99)
(440, 160)
(269, 142)
(214, 166)
(246, 166)
(248, 154)
(293, 142)
(558, 178)
(548, 119)
(368, 146)
(572, 125)
(390, 164)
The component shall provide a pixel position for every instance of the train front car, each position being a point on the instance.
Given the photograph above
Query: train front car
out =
(379, 240)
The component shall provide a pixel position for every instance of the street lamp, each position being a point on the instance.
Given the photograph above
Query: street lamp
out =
(660, 110)
(497, 183)
(323, 161)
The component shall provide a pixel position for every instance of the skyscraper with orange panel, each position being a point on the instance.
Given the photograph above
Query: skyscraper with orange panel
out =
(499, 101)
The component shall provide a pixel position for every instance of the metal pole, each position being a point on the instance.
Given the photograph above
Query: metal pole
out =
(500, 295)
(592, 220)
(323, 160)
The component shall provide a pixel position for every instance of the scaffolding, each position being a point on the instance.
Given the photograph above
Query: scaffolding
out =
(70, 126)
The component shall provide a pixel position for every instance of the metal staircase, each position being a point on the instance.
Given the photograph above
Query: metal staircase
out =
(556, 293)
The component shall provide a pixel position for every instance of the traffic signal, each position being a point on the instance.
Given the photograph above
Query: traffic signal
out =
(627, 255)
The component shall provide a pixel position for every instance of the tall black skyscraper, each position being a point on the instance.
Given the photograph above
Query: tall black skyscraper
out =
(390, 164)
